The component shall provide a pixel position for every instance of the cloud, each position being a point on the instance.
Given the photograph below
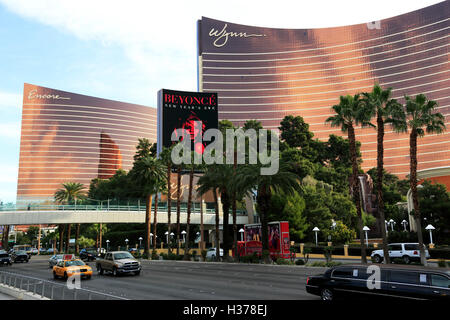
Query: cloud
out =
(10, 101)
(10, 130)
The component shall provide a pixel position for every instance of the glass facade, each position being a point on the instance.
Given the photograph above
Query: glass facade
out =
(266, 74)
(69, 137)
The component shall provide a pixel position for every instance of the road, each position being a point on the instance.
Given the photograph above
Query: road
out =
(186, 280)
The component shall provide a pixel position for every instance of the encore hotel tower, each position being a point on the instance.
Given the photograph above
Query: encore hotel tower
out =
(266, 74)
(69, 137)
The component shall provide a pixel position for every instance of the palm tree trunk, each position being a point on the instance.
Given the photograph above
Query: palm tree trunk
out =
(77, 235)
(380, 158)
(178, 208)
(263, 199)
(169, 203)
(226, 224)
(233, 208)
(356, 194)
(69, 227)
(100, 236)
(216, 238)
(148, 214)
(413, 185)
(155, 221)
(188, 221)
(61, 228)
(5, 239)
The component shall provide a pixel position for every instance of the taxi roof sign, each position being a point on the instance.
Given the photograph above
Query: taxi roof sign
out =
(69, 257)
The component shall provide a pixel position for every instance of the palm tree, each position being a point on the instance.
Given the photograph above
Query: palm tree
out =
(161, 188)
(349, 113)
(420, 119)
(386, 110)
(178, 206)
(189, 206)
(165, 157)
(250, 177)
(207, 182)
(149, 174)
(77, 235)
(70, 191)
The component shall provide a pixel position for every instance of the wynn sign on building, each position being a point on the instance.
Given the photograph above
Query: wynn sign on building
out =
(266, 74)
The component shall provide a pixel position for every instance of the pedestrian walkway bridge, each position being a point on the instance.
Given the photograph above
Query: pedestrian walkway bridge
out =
(60, 214)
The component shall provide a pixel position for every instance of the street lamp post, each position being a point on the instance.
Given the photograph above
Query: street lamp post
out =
(386, 226)
(430, 228)
(184, 236)
(241, 231)
(126, 242)
(366, 228)
(404, 223)
(151, 239)
(392, 222)
(167, 237)
(140, 242)
(107, 245)
(316, 230)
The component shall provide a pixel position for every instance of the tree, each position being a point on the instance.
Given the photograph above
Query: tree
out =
(149, 174)
(266, 185)
(295, 132)
(207, 183)
(349, 113)
(166, 158)
(386, 110)
(71, 191)
(421, 118)
(144, 149)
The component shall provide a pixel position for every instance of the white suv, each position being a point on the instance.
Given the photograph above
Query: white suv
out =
(406, 251)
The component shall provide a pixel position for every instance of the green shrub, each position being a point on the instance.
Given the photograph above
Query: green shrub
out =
(194, 253)
(332, 264)
(154, 255)
(204, 252)
(299, 262)
(282, 261)
(318, 264)
(254, 258)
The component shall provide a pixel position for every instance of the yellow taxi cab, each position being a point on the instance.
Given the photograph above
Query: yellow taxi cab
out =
(67, 268)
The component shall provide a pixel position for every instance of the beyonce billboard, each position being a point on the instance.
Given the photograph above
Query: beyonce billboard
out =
(184, 110)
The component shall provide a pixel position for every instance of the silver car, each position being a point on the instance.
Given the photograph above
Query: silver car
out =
(55, 259)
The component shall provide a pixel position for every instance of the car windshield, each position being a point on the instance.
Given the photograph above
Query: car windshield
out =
(21, 252)
(122, 255)
(74, 263)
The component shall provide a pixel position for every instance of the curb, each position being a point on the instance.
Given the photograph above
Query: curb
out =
(20, 294)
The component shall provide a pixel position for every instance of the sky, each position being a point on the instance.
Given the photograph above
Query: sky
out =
(128, 50)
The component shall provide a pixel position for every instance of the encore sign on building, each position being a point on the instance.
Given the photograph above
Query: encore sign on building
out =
(182, 110)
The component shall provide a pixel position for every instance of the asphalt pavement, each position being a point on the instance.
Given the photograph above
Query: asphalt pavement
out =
(183, 280)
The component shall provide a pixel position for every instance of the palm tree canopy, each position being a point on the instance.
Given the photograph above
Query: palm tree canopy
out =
(419, 112)
(150, 174)
(350, 112)
(379, 103)
(70, 191)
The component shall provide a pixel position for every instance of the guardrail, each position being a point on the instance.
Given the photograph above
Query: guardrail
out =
(52, 290)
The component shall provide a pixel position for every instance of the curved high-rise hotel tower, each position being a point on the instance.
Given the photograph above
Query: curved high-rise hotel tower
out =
(68, 137)
(266, 74)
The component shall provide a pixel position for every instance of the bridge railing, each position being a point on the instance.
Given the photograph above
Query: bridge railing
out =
(102, 207)
(50, 289)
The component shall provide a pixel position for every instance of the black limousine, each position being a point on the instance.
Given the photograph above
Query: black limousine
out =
(381, 281)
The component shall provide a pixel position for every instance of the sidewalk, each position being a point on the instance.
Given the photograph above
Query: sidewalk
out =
(340, 257)
(5, 297)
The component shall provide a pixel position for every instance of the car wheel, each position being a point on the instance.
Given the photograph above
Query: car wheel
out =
(137, 273)
(65, 276)
(99, 269)
(114, 271)
(26, 261)
(326, 294)
(54, 275)
(406, 259)
(377, 258)
(89, 277)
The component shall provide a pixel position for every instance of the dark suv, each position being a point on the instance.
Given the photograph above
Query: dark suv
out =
(88, 254)
(381, 281)
(19, 256)
(5, 258)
